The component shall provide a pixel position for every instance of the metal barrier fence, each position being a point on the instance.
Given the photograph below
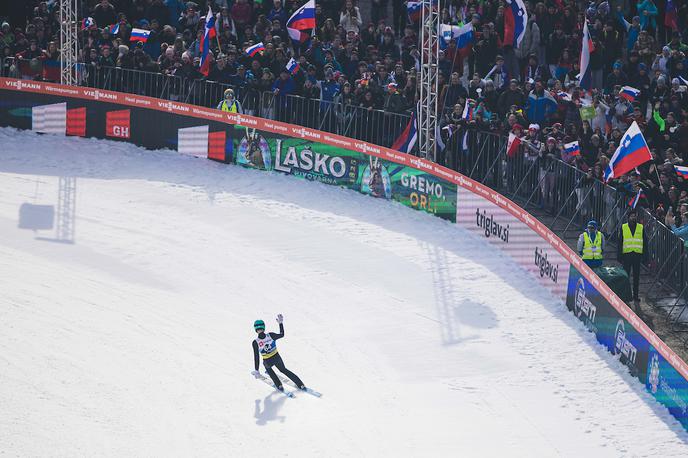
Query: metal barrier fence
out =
(569, 196)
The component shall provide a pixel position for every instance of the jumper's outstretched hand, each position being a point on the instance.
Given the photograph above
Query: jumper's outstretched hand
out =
(280, 318)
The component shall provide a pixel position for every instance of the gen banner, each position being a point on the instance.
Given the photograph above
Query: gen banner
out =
(610, 328)
(354, 170)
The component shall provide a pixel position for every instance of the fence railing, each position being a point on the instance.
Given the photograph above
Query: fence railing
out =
(565, 192)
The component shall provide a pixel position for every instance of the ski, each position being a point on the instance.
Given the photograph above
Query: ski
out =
(289, 394)
(292, 384)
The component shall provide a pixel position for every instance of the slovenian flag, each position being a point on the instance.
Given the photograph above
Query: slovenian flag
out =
(571, 149)
(414, 10)
(671, 16)
(87, 23)
(204, 47)
(139, 35)
(408, 137)
(682, 171)
(629, 93)
(292, 66)
(515, 21)
(303, 19)
(631, 153)
(462, 34)
(585, 77)
(467, 114)
(564, 96)
(255, 49)
(634, 201)
(512, 145)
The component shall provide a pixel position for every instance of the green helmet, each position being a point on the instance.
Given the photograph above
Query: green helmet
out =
(259, 325)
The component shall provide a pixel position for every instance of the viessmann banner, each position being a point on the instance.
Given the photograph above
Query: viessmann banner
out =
(330, 164)
(380, 172)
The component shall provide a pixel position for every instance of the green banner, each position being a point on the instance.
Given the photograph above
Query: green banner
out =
(351, 169)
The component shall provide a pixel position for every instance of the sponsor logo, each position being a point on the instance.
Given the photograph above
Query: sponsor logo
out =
(546, 267)
(423, 192)
(622, 345)
(118, 124)
(583, 308)
(653, 373)
(171, 106)
(491, 228)
(20, 84)
(307, 162)
(97, 95)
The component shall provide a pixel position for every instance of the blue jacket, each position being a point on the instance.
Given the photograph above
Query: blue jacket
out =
(649, 20)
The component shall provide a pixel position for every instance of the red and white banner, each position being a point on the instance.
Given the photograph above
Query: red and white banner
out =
(193, 141)
(118, 124)
(49, 119)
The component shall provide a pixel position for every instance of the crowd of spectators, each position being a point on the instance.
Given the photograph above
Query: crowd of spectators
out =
(531, 91)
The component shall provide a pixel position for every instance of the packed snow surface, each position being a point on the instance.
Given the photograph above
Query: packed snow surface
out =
(135, 340)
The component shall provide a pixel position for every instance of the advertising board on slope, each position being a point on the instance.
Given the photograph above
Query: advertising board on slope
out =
(610, 328)
(515, 238)
(667, 386)
(329, 164)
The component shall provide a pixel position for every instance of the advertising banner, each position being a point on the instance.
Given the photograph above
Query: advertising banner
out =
(509, 234)
(610, 328)
(331, 164)
(667, 386)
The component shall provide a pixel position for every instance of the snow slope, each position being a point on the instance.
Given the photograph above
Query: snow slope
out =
(136, 339)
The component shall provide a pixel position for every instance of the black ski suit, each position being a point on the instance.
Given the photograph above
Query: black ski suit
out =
(274, 360)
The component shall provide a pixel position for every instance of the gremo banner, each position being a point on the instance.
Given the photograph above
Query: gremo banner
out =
(381, 172)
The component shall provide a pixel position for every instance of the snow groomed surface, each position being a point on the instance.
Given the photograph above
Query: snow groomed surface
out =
(424, 339)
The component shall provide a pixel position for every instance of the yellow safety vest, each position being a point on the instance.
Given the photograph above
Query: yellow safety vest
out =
(592, 250)
(632, 243)
(231, 108)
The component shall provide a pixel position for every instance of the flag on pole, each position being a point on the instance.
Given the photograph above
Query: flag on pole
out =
(671, 16)
(682, 171)
(463, 36)
(414, 10)
(467, 114)
(292, 66)
(571, 150)
(515, 21)
(408, 137)
(114, 28)
(87, 23)
(204, 47)
(303, 19)
(635, 199)
(585, 76)
(632, 152)
(512, 144)
(629, 93)
(255, 49)
(139, 35)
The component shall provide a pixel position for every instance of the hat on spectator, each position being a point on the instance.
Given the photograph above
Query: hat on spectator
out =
(617, 65)
(551, 140)
(534, 127)
(517, 126)
(592, 223)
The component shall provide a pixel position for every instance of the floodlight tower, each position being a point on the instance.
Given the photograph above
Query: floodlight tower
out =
(69, 41)
(429, 84)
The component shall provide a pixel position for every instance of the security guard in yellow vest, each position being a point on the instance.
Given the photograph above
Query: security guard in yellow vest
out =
(230, 104)
(631, 251)
(591, 245)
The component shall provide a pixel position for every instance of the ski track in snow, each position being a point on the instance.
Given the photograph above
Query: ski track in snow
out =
(135, 340)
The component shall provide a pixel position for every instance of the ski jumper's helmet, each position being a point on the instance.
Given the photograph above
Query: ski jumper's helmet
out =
(259, 325)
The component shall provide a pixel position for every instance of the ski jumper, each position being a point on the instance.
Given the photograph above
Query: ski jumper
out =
(265, 345)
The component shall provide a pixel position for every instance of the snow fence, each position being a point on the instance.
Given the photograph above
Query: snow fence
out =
(380, 172)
